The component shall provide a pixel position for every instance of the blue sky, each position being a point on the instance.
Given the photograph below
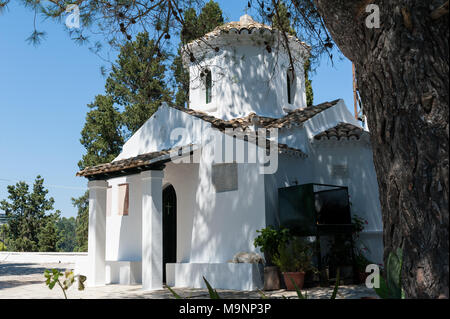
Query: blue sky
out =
(44, 91)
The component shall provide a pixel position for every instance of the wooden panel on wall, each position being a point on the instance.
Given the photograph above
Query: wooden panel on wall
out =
(123, 194)
(108, 201)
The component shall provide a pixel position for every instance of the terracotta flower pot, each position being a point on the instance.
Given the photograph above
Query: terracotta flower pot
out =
(297, 277)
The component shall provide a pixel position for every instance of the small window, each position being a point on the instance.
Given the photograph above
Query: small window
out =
(123, 199)
(290, 85)
(208, 85)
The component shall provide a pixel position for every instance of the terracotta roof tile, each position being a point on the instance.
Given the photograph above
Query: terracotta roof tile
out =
(341, 131)
(295, 117)
(152, 158)
(125, 164)
(298, 116)
(247, 25)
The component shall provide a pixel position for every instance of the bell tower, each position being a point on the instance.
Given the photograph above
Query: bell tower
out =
(243, 67)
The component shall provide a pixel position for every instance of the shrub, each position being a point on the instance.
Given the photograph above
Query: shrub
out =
(270, 239)
(294, 257)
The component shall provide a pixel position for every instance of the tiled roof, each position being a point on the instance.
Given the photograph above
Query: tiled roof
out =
(247, 25)
(144, 161)
(125, 164)
(299, 116)
(342, 131)
(242, 122)
(293, 118)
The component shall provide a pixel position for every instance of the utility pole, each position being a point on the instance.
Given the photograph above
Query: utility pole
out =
(355, 99)
(359, 116)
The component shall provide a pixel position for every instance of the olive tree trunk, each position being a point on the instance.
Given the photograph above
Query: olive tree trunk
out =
(402, 72)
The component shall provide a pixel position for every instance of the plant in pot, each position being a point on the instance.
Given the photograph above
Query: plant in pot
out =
(268, 241)
(361, 263)
(294, 259)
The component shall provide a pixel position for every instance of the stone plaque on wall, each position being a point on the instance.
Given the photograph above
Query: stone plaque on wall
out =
(225, 177)
(339, 170)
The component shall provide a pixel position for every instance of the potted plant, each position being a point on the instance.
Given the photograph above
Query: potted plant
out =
(268, 241)
(361, 263)
(294, 260)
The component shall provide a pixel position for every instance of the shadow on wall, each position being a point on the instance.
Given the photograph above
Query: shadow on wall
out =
(130, 238)
(225, 223)
(254, 81)
(362, 186)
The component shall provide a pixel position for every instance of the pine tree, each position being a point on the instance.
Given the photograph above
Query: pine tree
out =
(101, 135)
(308, 85)
(137, 81)
(26, 213)
(66, 230)
(281, 21)
(49, 236)
(81, 222)
(136, 84)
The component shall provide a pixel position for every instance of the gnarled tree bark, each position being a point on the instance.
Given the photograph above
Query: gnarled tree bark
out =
(402, 72)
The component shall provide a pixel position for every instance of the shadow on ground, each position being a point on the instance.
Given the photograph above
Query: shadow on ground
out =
(22, 269)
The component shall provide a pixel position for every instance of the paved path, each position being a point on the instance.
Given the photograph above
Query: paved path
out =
(26, 281)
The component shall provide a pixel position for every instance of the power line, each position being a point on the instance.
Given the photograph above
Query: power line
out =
(46, 185)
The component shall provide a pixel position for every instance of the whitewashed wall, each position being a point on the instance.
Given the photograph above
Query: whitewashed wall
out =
(211, 227)
(124, 233)
(317, 168)
(155, 133)
(361, 182)
(246, 78)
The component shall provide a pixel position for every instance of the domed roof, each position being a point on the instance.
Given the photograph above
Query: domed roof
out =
(245, 26)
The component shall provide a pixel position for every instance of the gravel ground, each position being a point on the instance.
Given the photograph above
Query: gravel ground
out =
(26, 281)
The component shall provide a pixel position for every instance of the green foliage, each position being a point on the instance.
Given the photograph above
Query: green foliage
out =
(308, 84)
(270, 239)
(3, 246)
(296, 256)
(333, 294)
(49, 236)
(52, 278)
(194, 27)
(137, 81)
(26, 213)
(211, 291)
(101, 135)
(66, 230)
(81, 222)
(391, 288)
(177, 296)
(282, 21)
(137, 84)
(361, 262)
(358, 224)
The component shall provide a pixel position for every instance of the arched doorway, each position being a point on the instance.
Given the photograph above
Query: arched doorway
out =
(169, 227)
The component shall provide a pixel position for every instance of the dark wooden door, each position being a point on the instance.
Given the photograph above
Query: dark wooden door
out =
(169, 227)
